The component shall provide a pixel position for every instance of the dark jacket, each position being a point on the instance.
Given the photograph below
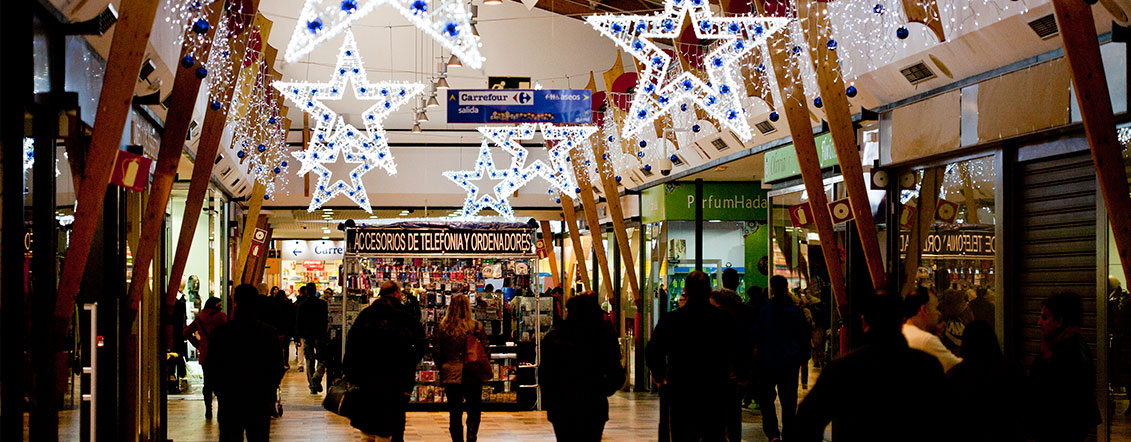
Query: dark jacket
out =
(383, 347)
(694, 350)
(1063, 390)
(199, 333)
(988, 393)
(287, 314)
(781, 335)
(450, 352)
(245, 363)
(881, 392)
(311, 319)
(580, 369)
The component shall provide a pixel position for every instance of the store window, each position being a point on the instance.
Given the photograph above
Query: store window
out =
(947, 241)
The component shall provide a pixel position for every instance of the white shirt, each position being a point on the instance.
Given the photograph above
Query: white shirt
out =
(930, 344)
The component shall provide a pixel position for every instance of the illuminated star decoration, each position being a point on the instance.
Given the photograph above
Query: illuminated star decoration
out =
(328, 186)
(29, 156)
(567, 140)
(477, 200)
(448, 22)
(720, 96)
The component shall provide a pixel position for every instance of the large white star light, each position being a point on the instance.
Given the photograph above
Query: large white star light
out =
(721, 95)
(329, 185)
(448, 22)
(566, 141)
(477, 200)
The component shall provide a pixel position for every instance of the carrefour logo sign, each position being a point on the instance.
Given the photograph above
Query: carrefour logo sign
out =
(520, 98)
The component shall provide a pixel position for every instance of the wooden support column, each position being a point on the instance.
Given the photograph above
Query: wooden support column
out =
(256, 265)
(548, 238)
(795, 106)
(837, 112)
(924, 219)
(589, 204)
(127, 50)
(250, 221)
(612, 198)
(181, 102)
(575, 237)
(206, 150)
(1078, 32)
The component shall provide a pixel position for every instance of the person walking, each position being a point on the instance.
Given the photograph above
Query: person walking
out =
(782, 338)
(739, 313)
(462, 387)
(581, 368)
(1062, 379)
(199, 333)
(921, 309)
(692, 356)
(985, 387)
(883, 391)
(286, 322)
(311, 328)
(246, 361)
(382, 350)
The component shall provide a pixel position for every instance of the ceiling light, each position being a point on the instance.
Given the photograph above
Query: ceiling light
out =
(325, 237)
(432, 101)
(474, 30)
(442, 83)
(492, 2)
(454, 62)
(416, 128)
(421, 116)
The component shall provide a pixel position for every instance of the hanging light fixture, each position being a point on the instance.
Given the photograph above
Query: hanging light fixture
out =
(432, 101)
(454, 62)
(474, 30)
(442, 84)
(421, 115)
(416, 128)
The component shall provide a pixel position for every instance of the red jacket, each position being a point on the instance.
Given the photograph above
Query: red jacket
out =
(200, 331)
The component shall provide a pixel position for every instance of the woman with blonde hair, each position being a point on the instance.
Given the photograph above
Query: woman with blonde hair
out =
(459, 336)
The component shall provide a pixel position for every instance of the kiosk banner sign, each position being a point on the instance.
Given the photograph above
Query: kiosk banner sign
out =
(440, 241)
(954, 244)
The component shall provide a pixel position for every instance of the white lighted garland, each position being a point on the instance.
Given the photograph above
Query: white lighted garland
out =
(448, 22)
(720, 95)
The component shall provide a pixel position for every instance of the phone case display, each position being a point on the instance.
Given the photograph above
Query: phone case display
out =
(534, 314)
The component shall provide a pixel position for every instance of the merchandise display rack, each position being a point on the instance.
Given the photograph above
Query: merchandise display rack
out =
(470, 256)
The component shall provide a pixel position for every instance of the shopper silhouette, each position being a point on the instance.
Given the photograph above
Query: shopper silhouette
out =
(985, 387)
(883, 392)
(382, 350)
(1062, 378)
(199, 333)
(782, 338)
(311, 325)
(742, 319)
(921, 309)
(246, 361)
(463, 390)
(581, 368)
(692, 354)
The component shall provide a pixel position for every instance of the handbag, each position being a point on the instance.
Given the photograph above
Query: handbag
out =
(339, 398)
(477, 362)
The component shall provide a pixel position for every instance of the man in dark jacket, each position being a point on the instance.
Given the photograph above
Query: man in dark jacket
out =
(692, 354)
(246, 360)
(884, 391)
(311, 324)
(781, 336)
(382, 350)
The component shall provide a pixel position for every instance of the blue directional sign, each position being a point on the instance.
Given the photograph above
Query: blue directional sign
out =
(520, 106)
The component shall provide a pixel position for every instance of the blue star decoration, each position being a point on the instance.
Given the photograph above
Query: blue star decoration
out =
(722, 92)
(448, 22)
(477, 199)
(387, 97)
(566, 141)
(329, 184)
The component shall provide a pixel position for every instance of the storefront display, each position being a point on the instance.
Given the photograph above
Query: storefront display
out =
(435, 261)
(315, 262)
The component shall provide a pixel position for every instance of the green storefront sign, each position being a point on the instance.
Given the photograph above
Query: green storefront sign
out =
(724, 201)
(781, 163)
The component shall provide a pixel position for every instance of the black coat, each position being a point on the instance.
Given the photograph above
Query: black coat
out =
(311, 319)
(382, 350)
(580, 369)
(696, 348)
(881, 392)
(989, 395)
(245, 363)
(1063, 391)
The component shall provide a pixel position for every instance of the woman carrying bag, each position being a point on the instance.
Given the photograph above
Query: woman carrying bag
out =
(461, 353)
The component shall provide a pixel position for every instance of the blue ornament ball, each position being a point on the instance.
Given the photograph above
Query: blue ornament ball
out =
(261, 148)
(643, 143)
(284, 164)
(774, 116)
(314, 26)
(648, 167)
(851, 91)
(817, 103)
(617, 178)
(215, 105)
(188, 62)
(696, 128)
(200, 26)
(349, 6)
(201, 72)
(902, 33)
(674, 158)
(831, 45)
(266, 197)
(277, 171)
(241, 154)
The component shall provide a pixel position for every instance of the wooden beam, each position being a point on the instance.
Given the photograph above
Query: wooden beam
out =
(589, 204)
(207, 147)
(259, 264)
(926, 12)
(796, 110)
(612, 199)
(575, 237)
(127, 49)
(1078, 32)
(250, 220)
(924, 219)
(548, 238)
(838, 114)
(181, 102)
